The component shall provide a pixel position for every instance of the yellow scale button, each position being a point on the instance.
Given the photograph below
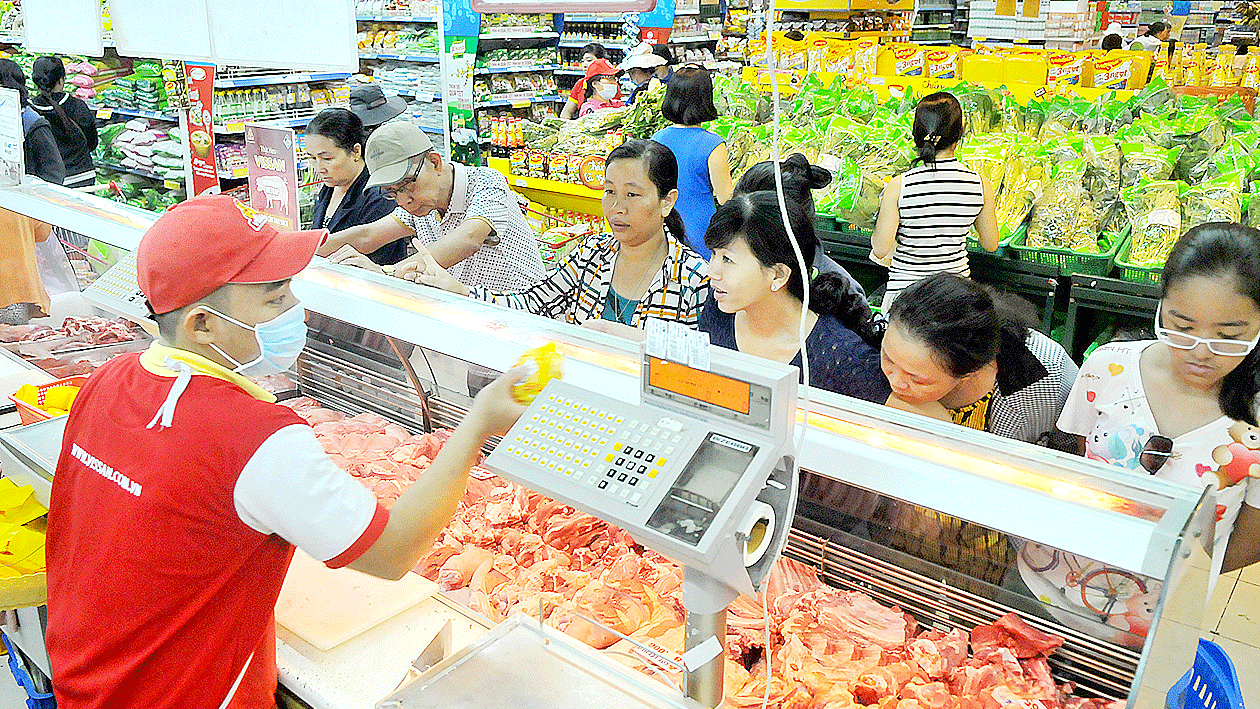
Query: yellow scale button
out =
(652, 473)
(616, 446)
(609, 458)
(660, 461)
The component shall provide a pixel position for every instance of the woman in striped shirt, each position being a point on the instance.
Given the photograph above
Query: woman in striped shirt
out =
(927, 212)
(614, 282)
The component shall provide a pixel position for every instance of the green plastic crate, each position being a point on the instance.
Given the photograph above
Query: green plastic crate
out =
(1153, 275)
(846, 233)
(1068, 262)
(1004, 246)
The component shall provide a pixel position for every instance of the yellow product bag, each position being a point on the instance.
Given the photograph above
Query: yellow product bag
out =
(941, 63)
(545, 364)
(1114, 72)
(21, 551)
(18, 504)
(900, 60)
(865, 57)
(1065, 67)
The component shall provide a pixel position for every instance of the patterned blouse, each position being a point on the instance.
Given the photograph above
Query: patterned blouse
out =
(576, 289)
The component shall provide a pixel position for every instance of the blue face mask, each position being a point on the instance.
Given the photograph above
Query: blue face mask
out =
(280, 341)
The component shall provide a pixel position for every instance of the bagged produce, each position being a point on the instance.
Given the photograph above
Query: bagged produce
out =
(1022, 186)
(1102, 171)
(987, 159)
(1215, 200)
(1065, 217)
(1155, 219)
(1143, 160)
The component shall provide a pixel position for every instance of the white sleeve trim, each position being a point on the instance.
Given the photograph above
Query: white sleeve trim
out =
(291, 488)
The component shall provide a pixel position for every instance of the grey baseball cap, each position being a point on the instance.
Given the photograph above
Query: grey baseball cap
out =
(389, 151)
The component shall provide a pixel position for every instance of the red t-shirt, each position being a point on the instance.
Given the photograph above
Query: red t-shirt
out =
(578, 94)
(160, 585)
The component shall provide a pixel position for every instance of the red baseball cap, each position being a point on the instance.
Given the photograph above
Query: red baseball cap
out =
(206, 242)
(601, 67)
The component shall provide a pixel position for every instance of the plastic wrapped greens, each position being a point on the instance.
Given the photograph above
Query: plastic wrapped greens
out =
(986, 158)
(1102, 171)
(1155, 218)
(1025, 175)
(1156, 98)
(843, 192)
(1238, 154)
(1198, 136)
(1216, 200)
(1064, 217)
(1143, 160)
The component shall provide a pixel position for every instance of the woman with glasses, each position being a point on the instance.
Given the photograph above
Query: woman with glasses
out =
(1162, 407)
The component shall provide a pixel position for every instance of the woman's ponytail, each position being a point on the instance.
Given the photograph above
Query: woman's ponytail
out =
(938, 125)
(45, 73)
(829, 294)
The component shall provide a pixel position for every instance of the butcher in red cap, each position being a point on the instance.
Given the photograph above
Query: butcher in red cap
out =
(183, 488)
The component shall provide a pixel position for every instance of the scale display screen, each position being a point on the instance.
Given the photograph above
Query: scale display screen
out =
(710, 388)
(695, 499)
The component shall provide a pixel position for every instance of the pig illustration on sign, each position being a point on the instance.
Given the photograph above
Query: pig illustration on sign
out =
(275, 190)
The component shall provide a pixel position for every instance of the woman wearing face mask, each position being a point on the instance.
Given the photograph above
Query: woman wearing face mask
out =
(602, 89)
(614, 282)
(577, 95)
(757, 299)
(1183, 407)
(334, 141)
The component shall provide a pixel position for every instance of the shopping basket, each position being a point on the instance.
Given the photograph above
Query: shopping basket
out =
(35, 699)
(33, 414)
(1153, 275)
(1068, 262)
(1210, 684)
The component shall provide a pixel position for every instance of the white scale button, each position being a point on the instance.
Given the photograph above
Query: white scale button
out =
(669, 450)
(677, 439)
(655, 432)
(636, 498)
(603, 441)
(670, 424)
(625, 492)
(635, 439)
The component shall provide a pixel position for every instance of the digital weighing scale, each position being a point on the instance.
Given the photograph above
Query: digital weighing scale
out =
(702, 471)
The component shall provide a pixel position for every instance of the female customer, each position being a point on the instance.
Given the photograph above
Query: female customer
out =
(39, 145)
(577, 95)
(640, 67)
(758, 292)
(958, 351)
(704, 171)
(1183, 407)
(927, 212)
(800, 178)
(334, 141)
(643, 269)
(602, 89)
(73, 123)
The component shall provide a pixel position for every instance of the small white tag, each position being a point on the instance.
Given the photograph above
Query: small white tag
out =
(1164, 217)
(700, 350)
(656, 338)
(830, 162)
(700, 655)
(679, 348)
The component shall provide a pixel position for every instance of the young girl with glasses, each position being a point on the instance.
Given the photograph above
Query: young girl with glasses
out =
(1175, 407)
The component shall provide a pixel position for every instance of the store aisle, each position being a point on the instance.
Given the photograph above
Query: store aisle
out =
(1233, 622)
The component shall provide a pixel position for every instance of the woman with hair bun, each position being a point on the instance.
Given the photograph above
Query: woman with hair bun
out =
(758, 293)
(927, 211)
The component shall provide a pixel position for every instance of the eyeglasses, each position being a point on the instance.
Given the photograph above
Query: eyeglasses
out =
(1185, 341)
(1155, 453)
(392, 192)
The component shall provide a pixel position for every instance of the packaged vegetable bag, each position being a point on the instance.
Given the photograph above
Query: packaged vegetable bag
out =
(1143, 160)
(1216, 200)
(1064, 217)
(1155, 219)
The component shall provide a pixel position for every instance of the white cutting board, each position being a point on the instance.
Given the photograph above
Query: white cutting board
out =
(326, 607)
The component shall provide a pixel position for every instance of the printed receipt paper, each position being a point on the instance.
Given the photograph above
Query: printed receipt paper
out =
(326, 607)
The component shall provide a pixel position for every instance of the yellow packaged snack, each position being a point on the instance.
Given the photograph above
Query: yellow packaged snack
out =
(865, 57)
(1251, 68)
(901, 60)
(1065, 67)
(545, 364)
(940, 63)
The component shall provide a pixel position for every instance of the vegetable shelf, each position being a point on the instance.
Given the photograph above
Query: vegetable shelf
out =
(1068, 262)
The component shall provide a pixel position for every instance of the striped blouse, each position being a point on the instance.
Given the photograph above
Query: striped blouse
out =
(576, 289)
(937, 208)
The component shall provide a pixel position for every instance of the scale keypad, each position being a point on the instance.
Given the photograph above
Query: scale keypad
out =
(602, 448)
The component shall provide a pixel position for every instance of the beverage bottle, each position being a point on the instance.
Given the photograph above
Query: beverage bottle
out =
(1251, 68)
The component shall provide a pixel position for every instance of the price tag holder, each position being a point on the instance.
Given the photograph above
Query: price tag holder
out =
(172, 184)
(104, 114)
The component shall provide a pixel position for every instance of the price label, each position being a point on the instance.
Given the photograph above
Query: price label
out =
(172, 184)
(104, 114)
(520, 182)
(520, 104)
(714, 34)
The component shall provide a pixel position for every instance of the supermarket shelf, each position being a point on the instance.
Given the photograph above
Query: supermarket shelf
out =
(131, 170)
(933, 41)
(534, 183)
(507, 102)
(515, 69)
(690, 40)
(591, 18)
(422, 95)
(283, 122)
(136, 112)
(239, 173)
(11, 39)
(520, 34)
(396, 18)
(228, 83)
(435, 130)
(421, 58)
(570, 72)
(682, 13)
(934, 27)
(582, 43)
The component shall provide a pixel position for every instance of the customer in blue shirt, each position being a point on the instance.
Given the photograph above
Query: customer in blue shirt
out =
(704, 170)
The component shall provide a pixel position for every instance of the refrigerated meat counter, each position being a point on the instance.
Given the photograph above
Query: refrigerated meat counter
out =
(1115, 564)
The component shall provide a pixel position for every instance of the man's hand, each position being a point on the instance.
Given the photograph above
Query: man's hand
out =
(349, 256)
(494, 410)
(616, 328)
(423, 268)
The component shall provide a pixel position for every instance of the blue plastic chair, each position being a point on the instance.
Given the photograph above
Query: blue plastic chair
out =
(1211, 684)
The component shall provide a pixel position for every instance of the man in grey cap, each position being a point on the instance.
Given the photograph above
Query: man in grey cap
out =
(465, 217)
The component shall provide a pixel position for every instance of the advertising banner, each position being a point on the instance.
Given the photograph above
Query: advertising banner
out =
(273, 178)
(11, 138)
(205, 173)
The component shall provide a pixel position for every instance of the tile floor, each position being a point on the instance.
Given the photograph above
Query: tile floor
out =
(1233, 622)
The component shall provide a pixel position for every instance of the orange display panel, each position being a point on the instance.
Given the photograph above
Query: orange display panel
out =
(700, 385)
